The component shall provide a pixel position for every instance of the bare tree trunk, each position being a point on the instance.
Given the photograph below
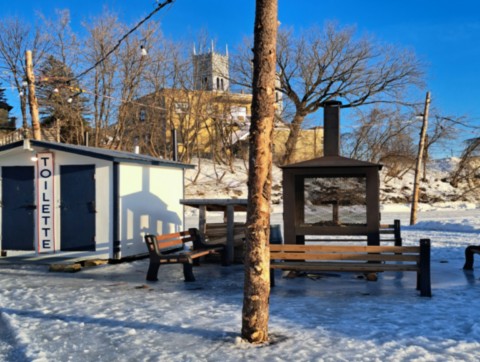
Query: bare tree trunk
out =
(290, 145)
(257, 259)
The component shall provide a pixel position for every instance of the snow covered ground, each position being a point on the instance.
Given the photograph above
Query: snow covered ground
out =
(109, 313)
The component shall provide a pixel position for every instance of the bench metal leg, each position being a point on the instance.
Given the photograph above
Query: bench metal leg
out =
(188, 272)
(424, 274)
(469, 251)
(223, 257)
(272, 277)
(396, 233)
(152, 273)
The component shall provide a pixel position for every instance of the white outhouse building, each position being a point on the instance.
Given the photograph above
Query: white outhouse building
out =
(85, 202)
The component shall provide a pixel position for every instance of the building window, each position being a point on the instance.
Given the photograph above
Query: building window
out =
(221, 81)
(142, 115)
(181, 107)
(218, 83)
(239, 113)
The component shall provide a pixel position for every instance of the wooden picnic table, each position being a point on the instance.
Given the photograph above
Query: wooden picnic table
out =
(228, 207)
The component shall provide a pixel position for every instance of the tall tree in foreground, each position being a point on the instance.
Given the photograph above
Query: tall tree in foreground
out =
(257, 257)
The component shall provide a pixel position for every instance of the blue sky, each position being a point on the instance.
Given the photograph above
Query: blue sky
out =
(444, 34)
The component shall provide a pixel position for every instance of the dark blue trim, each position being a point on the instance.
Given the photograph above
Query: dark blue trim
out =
(11, 146)
(101, 153)
(117, 248)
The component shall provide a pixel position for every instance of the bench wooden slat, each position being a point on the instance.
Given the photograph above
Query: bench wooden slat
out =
(359, 236)
(344, 248)
(343, 256)
(165, 245)
(184, 235)
(199, 253)
(331, 266)
(322, 240)
(387, 226)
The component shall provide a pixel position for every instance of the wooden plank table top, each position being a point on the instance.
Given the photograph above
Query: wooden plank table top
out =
(216, 204)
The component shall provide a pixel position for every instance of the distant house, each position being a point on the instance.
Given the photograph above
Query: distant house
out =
(84, 202)
(7, 123)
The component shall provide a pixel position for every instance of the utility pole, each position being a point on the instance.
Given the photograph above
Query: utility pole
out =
(32, 99)
(421, 147)
(425, 159)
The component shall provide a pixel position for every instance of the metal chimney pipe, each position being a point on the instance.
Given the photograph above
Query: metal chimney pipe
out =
(331, 128)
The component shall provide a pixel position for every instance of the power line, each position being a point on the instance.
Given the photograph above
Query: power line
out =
(158, 8)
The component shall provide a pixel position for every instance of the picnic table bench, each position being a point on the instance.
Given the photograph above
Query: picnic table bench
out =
(389, 233)
(353, 258)
(171, 249)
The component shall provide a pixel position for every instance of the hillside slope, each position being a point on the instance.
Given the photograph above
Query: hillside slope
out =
(218, 181)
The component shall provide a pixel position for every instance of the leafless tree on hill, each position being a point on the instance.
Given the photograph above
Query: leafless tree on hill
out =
(103, 33)
(318, 65)
(382, 135)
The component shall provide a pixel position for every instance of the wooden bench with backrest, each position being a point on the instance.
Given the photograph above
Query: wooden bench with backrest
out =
(171, 249)
(391, 229)
(389, 233)
(352, 258)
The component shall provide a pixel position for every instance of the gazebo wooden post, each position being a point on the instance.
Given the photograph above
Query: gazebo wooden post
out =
(229, 212)
(202, 220)
(299, 206)
(373, 207)
(335, 218)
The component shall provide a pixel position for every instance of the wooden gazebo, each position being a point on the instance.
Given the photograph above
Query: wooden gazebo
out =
(331, 195)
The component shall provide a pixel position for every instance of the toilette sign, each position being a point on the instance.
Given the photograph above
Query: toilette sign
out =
(45, 203)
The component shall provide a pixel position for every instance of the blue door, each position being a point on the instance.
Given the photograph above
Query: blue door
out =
(77, 215)
(18, 208)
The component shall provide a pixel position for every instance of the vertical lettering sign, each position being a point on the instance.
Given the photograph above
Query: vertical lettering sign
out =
(45, 203)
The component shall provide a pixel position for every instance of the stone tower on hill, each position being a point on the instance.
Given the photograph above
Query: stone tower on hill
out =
(211, 71)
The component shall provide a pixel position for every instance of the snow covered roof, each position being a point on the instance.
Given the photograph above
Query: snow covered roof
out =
(332, 161)
(101, 153)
